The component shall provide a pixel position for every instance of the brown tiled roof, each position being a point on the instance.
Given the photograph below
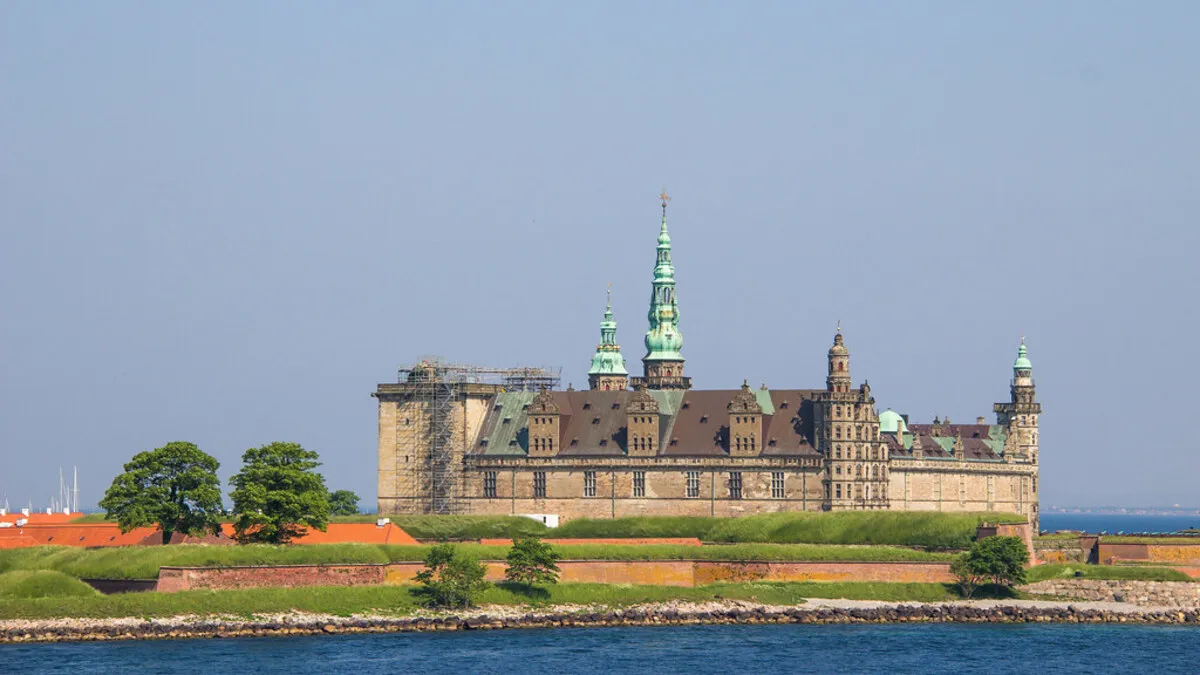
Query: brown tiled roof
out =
(592, 423)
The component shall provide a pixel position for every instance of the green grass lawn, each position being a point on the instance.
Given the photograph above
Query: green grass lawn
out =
(1045, 572)
(898, 528)
(400, 600)
(1057, 536)
(42, 584)
(143, 562)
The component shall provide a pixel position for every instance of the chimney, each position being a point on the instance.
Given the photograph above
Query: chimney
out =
(981, 420)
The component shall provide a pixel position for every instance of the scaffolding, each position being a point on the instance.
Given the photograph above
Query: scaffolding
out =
(435, 386)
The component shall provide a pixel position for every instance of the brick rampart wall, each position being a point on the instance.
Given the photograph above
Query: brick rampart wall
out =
(1164, 554)
(686, 573)
(172, 579)
(677, 541)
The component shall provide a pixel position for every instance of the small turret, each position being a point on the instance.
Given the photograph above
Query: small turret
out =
(839, 364)
(608, 365)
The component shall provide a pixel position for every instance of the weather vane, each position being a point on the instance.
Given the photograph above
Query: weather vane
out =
(664, 198)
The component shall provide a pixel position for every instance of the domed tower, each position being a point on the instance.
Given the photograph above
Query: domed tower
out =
(1020, 414)
(848, 438)
(839, 364)
(608, 365)
(663, 363)
(1019, 417)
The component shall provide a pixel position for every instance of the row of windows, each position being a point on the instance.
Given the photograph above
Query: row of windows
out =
(852, 491)
(871, 454)
(874, 473)
(639, 484)
(641, 442)
(870, 433)
(542, 444)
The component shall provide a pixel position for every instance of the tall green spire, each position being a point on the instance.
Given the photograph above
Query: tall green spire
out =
(608, 359)
(663, 340)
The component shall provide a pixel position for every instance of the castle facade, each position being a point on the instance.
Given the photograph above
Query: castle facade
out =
(653, 445)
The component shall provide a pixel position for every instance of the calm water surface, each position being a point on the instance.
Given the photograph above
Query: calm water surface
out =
(927, 649)
(1112, 523)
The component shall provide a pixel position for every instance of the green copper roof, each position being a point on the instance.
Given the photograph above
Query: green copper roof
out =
(1022, 362)
(890, 422)
(504, 433)
(608, 359)
(664, 340)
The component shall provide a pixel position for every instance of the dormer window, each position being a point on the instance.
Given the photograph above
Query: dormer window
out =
(574, 442)
(595, 420)
(771, 442)
(587, 405)
(616, 405)
(704, 419)
(674, 441)
(783, 404)
(686, 405)
(603, 442)
(506, 420)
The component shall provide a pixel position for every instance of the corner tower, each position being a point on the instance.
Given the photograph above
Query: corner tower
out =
(1020, 414)
(663, 364)
(608, 365)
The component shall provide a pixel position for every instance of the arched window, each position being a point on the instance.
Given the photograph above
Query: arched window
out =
(858, 471)
(841, 366)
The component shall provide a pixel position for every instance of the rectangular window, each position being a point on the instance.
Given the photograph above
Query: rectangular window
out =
(639, 483)
(693, 483)
(539, 484)
(776, 485)
(589, 483)
(837, 491)
(735, 484)
(489, 484)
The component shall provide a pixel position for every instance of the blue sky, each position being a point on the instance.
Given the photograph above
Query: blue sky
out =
(225, 223)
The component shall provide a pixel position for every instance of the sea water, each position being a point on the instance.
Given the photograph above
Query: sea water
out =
(760, 649)
(1113, 523)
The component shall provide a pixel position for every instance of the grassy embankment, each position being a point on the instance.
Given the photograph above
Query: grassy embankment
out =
(924, 530)
(143, 562)
(1120, 572)
(399, 600)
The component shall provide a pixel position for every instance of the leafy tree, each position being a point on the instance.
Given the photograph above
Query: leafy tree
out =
(998, 560)
(532, 561)
(343, 503)
(277, 494)
(968, 579)
(450, 579)
(175, 487)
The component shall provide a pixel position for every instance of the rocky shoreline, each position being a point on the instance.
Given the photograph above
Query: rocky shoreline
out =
(656, 614)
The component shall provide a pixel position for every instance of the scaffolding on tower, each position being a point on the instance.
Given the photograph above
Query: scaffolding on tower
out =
(435, 387)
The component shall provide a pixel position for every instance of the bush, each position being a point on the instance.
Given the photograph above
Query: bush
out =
(450, 579)
(532, 561)
(998, 560)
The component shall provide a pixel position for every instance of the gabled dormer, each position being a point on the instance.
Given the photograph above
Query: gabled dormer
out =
(641, 423)
(544, 431)
(745, 423)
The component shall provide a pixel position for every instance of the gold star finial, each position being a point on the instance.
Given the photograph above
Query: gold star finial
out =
(664, 198)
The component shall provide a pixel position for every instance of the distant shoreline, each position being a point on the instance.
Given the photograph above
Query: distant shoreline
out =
(814, 612)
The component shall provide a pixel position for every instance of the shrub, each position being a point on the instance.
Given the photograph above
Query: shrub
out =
(998, 560)
(450, 579)
(532, 561)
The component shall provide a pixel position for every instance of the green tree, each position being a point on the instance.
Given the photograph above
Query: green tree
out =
(343, 503)
(997, 560)
(450, 579)
(968, 579)
(277, 494)
(532, 561)
(175, 487)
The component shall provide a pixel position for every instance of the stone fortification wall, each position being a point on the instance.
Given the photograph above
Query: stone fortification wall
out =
(1060, 551)
(1182, 594)
(686, 573)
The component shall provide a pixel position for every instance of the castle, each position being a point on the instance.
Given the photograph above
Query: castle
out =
(652, 445)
